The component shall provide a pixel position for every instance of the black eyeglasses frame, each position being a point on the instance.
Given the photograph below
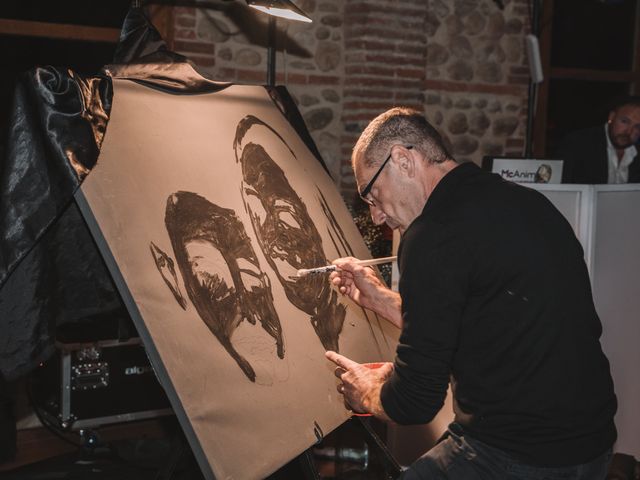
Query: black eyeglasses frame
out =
(367, 189)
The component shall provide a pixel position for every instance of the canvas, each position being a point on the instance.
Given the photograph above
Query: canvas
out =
(204, 207)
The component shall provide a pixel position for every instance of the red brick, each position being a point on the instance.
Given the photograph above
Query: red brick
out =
(397, 23)
(195, 47)
(368, 45)
(297, 78)
(186, 21)
(226, 74)
(371, 70)
(385, 11)
(362, 105)
(324, 80)
(356, 7)
(184, 34)
(386, 33)
(230, 72)
(385, 82)
(517, 80)
(203, 61)
(368, 93)
(367, 117)
(252, 76)
(394, 60)
(417, 96)
(184, 11)
(515, 90)
(411, 73)
(414, 49)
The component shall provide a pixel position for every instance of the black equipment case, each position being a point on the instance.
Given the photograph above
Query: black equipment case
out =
(88, 384)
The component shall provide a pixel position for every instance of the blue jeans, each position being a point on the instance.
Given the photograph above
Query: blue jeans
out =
(461, 457)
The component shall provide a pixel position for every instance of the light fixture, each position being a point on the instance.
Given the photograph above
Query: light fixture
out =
(280, 8)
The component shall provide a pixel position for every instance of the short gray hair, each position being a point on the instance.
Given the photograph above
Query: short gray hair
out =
(399, 125)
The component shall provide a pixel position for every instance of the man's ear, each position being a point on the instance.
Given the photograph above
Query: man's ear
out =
(404, 160)
(612, 114)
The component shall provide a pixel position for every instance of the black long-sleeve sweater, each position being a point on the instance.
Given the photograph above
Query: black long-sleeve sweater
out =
(495, 292)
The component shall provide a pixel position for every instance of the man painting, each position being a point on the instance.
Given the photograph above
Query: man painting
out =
(494, 295)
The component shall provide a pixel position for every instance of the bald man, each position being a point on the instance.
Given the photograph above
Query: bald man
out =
(494, 296)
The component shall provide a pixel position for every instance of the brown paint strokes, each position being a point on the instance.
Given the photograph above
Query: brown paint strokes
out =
(165, 265)
(286, 234)
(220, 271)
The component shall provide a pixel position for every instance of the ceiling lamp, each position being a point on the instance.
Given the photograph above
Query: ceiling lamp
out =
(280, 8)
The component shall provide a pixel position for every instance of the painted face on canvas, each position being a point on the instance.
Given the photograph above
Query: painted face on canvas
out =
(221, 272)
(284, 229)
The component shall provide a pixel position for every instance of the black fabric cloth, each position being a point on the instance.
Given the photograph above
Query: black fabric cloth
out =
(51, 273)
(496, 293)
(48, 272)
(142, 55)
(7, 425)
(585, 158)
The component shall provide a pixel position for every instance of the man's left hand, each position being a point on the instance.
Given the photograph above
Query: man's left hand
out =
(361, 385)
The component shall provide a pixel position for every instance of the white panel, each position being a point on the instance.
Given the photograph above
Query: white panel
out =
(575, 203)
(616, 282)
(606, 221)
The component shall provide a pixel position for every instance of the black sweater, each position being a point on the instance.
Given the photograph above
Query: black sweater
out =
(495, 292)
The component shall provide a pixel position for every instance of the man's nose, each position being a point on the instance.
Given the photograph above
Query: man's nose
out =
(377, 215)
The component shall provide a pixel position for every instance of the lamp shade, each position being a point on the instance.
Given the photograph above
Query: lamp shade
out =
(280, 8)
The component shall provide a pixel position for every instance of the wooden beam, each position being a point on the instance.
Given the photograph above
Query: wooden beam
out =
(58, 30)
(540, 119)
(595, 75)
(635, 87)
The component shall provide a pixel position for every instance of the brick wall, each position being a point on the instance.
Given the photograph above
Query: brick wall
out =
(461, 61)
(385, 47)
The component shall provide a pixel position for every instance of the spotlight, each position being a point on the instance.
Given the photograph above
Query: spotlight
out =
(280, 8)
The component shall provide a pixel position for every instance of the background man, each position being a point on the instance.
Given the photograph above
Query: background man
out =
(495, 294)
(605, 154)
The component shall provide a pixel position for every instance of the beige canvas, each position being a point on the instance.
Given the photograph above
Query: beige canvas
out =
(208, 204)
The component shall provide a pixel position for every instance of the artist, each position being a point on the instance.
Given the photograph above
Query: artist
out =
(494, 294)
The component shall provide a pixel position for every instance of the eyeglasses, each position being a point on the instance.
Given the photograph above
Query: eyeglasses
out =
(367, 189)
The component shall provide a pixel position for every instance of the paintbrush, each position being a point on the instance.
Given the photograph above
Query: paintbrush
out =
(330, 268)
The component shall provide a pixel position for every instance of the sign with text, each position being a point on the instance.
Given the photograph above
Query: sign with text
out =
(525, 170)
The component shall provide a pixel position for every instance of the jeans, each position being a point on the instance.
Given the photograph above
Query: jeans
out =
(458, 456)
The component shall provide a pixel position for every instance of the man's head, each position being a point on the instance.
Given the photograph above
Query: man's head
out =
(624, 123)
(397, 161)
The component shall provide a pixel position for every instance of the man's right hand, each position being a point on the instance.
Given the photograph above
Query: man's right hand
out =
(363, 286)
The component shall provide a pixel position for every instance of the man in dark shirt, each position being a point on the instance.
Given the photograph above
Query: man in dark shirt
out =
(606, 153)
(494, 294)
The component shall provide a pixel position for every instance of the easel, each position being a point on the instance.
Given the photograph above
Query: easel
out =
(306, 466)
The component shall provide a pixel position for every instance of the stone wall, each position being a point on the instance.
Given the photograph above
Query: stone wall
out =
(461, 61)
(476, 86)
